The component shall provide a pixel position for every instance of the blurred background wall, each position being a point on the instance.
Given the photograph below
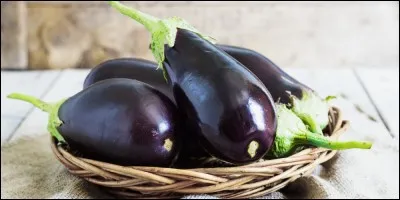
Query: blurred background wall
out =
(66, 34)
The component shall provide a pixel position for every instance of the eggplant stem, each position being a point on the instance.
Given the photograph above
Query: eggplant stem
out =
(317, 140)
(162, 30)
(44, 106)
(312, 110)
(146, 20)
(51, 108)
(314, 127)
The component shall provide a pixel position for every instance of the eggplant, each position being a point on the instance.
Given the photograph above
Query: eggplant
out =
(121, 121)
(228, 109)
(303, 100)
(144, 71)
(132, 68)
(279, 83)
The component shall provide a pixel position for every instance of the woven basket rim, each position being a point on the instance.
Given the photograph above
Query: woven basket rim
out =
(246, 181)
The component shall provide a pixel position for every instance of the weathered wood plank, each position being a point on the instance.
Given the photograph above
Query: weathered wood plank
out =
(29, 82)
(69, 83)
(355, 169)
(8, 125)
(383, 88)
(33, 83)
(14, 44)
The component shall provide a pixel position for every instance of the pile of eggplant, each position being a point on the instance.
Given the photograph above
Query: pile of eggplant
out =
(200, 99)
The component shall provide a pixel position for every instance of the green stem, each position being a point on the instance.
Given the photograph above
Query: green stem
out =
(162, 30)
(44, 106)
(146, 20)
(312, 110)
(314, 127)
(51, 108)
(324, 142)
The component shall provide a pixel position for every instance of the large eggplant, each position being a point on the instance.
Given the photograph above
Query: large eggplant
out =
(228, 109)
(119, 120)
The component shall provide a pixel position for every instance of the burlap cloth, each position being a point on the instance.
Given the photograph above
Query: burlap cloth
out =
(30, 170)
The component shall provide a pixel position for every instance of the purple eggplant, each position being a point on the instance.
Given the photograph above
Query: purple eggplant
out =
(304, 101)
(132, 68)
(144, 71)
(119, 120)
(228, 109)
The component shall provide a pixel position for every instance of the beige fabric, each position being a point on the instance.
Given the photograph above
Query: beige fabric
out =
(30, 170)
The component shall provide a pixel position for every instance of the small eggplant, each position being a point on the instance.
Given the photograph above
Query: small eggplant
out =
(119, 120)
(228, 109)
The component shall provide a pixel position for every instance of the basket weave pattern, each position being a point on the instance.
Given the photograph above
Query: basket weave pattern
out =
(247, 181)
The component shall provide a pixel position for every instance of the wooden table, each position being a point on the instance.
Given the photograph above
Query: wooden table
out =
(369, 97)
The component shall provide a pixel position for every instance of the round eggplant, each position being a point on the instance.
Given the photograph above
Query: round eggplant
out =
(121, 121)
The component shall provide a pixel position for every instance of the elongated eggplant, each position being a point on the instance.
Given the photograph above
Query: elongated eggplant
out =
(227, 107)
(304, 101)
(119, 120)
(278, 82)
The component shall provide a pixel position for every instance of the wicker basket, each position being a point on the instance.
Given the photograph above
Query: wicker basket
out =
(247, 181)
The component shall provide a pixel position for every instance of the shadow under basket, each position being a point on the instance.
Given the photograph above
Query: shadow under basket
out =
(246, 181)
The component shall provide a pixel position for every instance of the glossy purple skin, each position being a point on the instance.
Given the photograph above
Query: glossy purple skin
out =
(277, 81)
(121, 121)
(132, 68)
(274, 78)
(226, 106)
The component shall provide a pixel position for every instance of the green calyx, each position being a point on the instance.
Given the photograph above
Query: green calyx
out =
(312, 110)
(51, 108)
(292, 134)
(163, 31)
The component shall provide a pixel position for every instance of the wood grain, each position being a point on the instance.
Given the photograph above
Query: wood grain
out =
(352, 99)
(13, 112)
(383, 88)
(69, 83)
